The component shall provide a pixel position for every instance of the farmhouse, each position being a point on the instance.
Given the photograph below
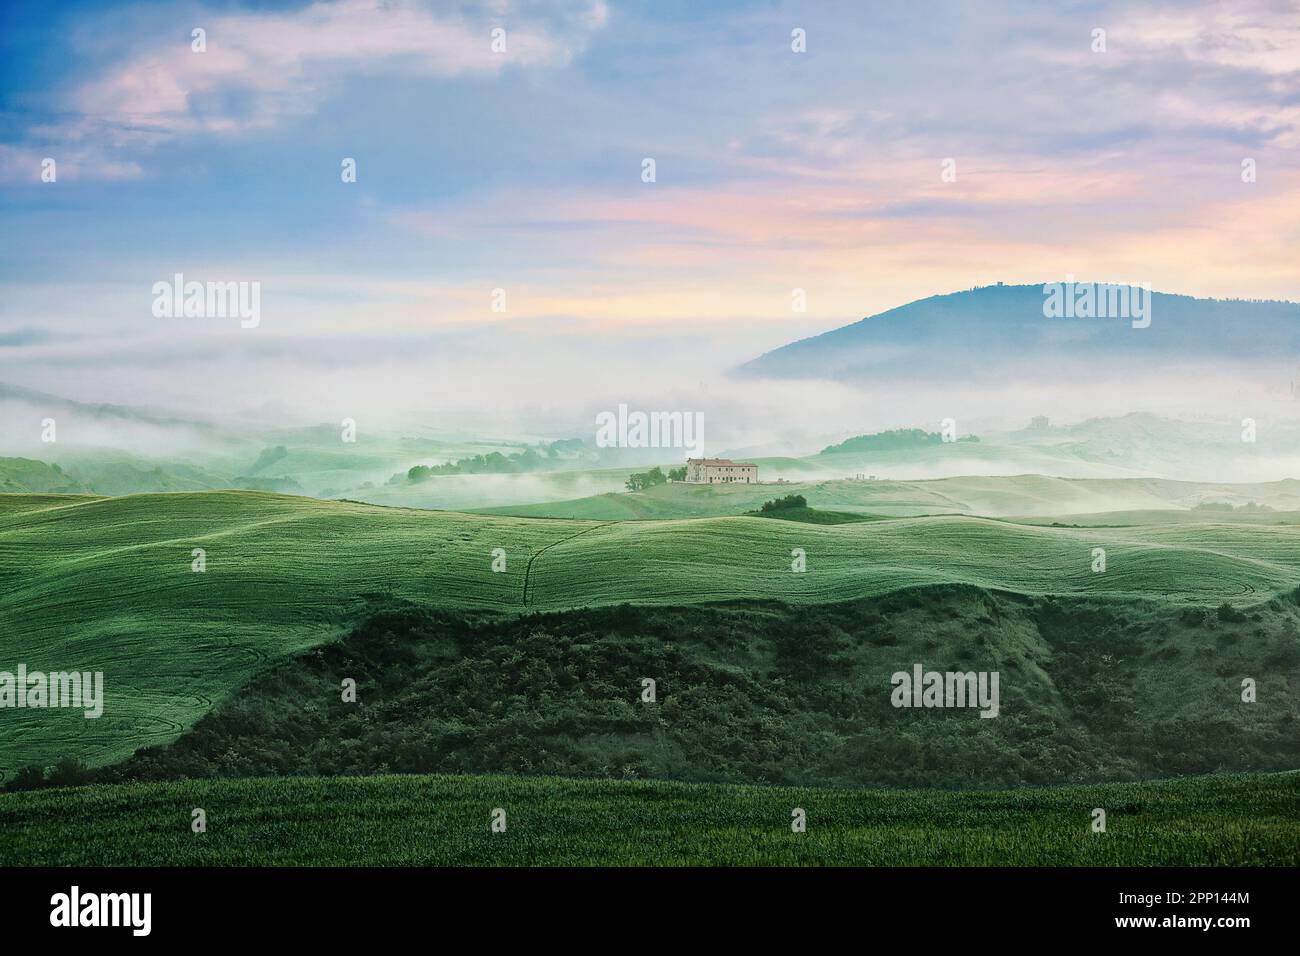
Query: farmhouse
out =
(720, 471)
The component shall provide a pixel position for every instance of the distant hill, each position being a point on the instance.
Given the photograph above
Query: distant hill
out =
(102, 411)
(981, 330)
(27, 474)
(890, 441)
(1038, 496)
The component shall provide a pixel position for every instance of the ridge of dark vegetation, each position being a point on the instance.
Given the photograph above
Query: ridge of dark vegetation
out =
(761, 692)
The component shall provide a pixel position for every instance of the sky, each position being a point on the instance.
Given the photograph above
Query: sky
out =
(910, 149)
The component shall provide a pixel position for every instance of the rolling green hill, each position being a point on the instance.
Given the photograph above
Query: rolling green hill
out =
(27, 475)
(441, 821)
(1008, 496)
(106, 583)
(718, 559)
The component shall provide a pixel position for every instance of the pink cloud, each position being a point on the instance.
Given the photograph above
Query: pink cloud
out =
(287, 64)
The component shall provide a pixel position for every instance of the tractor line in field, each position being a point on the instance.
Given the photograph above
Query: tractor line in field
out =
(529, 569)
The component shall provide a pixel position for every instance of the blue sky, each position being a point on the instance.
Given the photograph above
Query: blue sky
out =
(521, 170)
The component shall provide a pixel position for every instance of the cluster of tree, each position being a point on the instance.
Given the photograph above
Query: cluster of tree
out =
(68, 772)
(565, 448)
(495, 463)
(640, 481)
(892, 441)
(785, 504)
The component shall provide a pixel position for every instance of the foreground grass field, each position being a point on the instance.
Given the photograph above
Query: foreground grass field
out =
(107, 583)
(1223, 821)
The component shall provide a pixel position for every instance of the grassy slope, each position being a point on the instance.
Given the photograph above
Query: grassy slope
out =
(717, 559)
(1022, 495)
(105, 584)
(30, 475)
(444, 820)
(1120, 519)
(16, 504)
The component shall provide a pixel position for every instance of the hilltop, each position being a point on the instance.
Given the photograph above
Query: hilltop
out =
(983, 331)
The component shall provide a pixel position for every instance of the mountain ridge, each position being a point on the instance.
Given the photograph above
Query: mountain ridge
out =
(1010, 322)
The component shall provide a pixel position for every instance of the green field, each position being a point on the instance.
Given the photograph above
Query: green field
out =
(441, 820)
(106, 583)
